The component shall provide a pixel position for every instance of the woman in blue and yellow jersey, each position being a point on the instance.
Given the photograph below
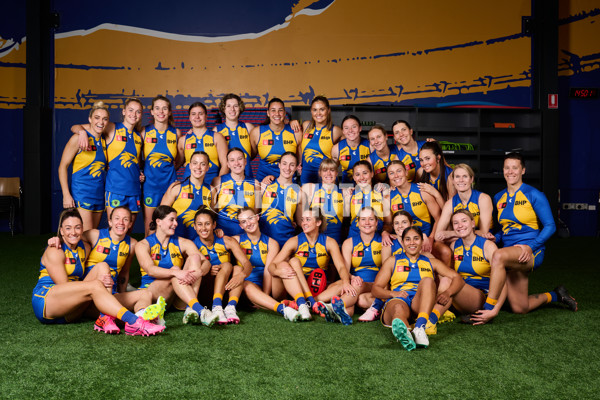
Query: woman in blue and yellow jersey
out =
(113, 250)
(236, 132)
(364, 196)
(407, 283)
(328, 197)
(319, 137)
(187, 196)
(526, 223)
(218, 251)
(306, 252)
(472, 256)
(477, 203)
(435, 174)
(172, 267)
(272, 139)
(281, 202)
(62, 294)
(407, 148)
(160, 152)
(260, 286)
(400, 221)
(89, 169)
(234, 191)
(199, 138)
(362, 259)
(407, 196)
(351, 149)
(381, 155)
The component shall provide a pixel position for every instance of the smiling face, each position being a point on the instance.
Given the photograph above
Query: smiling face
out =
(362, 176)
(232, 109)
(402, 134)
(132, 114)
(204, 226)
(328, 175)
(463, 181)
(401, 222)
(412, 243)
(276, 113)
(198, 117)
(309, 222)
(98, 120)
(351, 129)
(248, 221)
(71, 230)
(367, 221)
(397, 175)
(287, 166)
(320, 113)
(168, 224)
(378, 139)
(161, 111)
(198, 166)
(120, 221)
(462, 225)
(236, 161)
(513, 171)
(429, 161)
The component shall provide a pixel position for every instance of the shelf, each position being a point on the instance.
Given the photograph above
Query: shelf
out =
(510, 130)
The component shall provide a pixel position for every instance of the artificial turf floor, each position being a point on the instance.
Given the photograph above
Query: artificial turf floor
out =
(549, 353)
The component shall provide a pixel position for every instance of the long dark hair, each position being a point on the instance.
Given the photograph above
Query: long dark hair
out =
(426, 178)
(67, 213)
(160, 212)
(273, 100)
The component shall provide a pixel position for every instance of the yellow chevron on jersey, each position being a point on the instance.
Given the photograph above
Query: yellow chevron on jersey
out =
(361, 200)
(230, 201)
(407, 274)
(366, 256)
(188, 200)
(116, 149)
(331, 202)
(272, 145)
(105, 250)
(217, 253)
(522, 210)
(154, 138)
(470, 262)
(243, 137)
(89, 157)
(280, 201)
(205, 142)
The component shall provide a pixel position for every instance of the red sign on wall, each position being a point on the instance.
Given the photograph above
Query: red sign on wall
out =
(553, 101)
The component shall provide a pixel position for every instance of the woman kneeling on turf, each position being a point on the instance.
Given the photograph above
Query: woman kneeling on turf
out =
(410, 277)
(216, 251)
(171, 265)
(62, 294)
(260, 250)
(309, 251)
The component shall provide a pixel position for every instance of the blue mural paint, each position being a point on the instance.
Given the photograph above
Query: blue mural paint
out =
(87, 67)
(456, 46)
(578, 17)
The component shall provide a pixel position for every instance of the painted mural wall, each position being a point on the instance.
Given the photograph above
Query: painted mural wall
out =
(380, 52)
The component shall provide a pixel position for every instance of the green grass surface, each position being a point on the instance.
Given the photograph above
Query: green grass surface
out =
(550, 353)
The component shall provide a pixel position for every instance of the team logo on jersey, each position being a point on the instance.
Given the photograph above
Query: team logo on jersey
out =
(70, 260)
(271, 194)
(302, 253)
(127, 159)
(97, 168)
(346, 158)
(115, 203)
(410, 166)
(151, 140)
(191, 146)
(156, 257)
(187, 196)
(357, 201)
(501, 206)
(311, 155)
(248, 252)
(458, 257)
(121, 138)
(188, 217)
(308, 135)
(268, 142)
(156, 160)
(381, 171)
(396, 207)
(148, 200)
(358, 254)
(320, 200)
